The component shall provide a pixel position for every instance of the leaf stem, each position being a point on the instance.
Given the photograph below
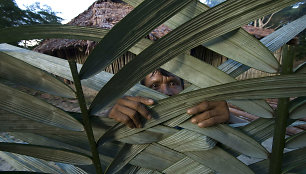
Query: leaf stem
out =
(282, 116)
(85, 116)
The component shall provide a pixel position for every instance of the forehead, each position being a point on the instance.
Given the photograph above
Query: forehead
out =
(156, 75)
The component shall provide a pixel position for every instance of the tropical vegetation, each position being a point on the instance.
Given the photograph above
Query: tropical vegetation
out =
(86, 143)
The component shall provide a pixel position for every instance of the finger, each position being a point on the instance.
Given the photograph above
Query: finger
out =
(199, 108)
(143, 100)
(132, 114)
(122, 118)
(210, 122)
(204, 116)
(137, 106)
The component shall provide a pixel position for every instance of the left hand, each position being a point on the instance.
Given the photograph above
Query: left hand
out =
(209, 113)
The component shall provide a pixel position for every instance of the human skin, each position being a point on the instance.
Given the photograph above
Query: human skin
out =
(129, 110)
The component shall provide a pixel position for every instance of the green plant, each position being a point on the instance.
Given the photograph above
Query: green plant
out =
(86, 140)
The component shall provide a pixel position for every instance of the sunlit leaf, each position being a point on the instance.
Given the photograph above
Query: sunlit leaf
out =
(22, 73)
(10, 122)
(30, 107)
(232, 138)
(157, 157)
(187, 165)
(13, 34)
(249, 51)
(283, 35)
(273, 42)
(126, 154)
(47, 153)
(220, 161)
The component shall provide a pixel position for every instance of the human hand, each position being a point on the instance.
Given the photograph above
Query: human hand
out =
(209, 113)
(128, 110)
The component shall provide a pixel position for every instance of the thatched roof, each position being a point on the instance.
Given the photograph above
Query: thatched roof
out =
(99, 14)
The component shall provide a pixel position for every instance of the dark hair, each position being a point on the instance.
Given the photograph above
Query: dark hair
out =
(164, 73)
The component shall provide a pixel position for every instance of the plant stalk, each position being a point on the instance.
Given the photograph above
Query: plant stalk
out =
(85, 116)
(282, 116)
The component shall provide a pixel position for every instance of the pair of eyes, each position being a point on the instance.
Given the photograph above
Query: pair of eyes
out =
(170, 84)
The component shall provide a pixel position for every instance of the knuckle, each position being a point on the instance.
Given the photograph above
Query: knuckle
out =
(133, 113)
(139, 106)
(209, 114)
(205, 104)
(212, 120)
(125, 120)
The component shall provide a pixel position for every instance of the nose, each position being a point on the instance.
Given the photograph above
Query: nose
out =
(166, 90)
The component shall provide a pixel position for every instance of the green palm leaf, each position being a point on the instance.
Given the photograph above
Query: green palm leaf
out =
(187, 165)
(22, 162)
(296, 141)
(301, 68)
(157, 157)
(30, 107)
(13, 34)
(129, 30)
(22, 73)
(273, 42)
(209, 25)
(297, 108)
(291, 160)
(126, 154)
(36, 139)
(10, 122)
(249, 50)
(258, 57)
(220, 161)
(283, 35)
(232, 138)
(151, 135)
(47, 153)
(260, 129)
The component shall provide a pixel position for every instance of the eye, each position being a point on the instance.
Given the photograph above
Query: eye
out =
(173, 84)
(154, 86)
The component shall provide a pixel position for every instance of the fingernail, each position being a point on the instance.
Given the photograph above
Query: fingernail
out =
(201, 125)
(151, 101)
(149, 117)
(194, 121)
(189, 111)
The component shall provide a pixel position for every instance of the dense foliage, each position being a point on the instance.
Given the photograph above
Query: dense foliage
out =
(12, 15)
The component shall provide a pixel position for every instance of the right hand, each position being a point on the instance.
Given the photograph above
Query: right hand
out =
(128, 110)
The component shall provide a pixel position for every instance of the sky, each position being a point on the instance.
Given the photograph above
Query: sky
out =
(67, 9)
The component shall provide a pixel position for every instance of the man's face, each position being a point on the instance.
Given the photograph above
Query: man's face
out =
(164, 83)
